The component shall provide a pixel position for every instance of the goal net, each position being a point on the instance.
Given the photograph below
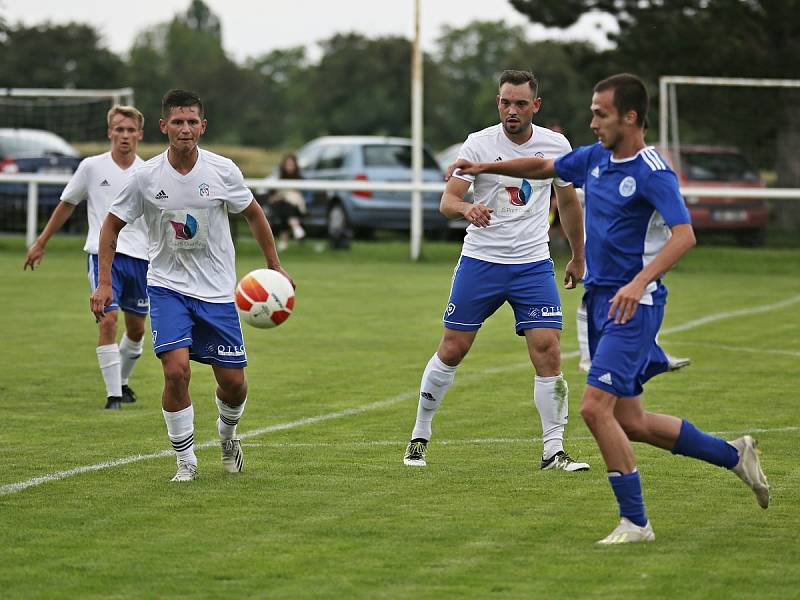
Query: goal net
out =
(756, 118)
(76, 115)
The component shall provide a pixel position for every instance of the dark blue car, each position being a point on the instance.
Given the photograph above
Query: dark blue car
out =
(32, 151)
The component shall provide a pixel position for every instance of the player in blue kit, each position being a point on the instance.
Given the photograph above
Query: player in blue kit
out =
(627, 184)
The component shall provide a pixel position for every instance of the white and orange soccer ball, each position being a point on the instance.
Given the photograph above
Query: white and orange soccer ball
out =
(264, 298)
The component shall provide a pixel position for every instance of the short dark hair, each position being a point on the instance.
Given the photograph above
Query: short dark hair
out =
(176, 98)
(516, 77)
(630, 93)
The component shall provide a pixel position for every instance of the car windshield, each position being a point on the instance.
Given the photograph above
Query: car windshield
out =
(717, 166)
(33, 143)
(394, 155)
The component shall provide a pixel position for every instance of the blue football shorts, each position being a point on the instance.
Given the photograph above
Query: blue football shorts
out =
(210, 330)
(128, 283)
(624, 356)
(480, 288)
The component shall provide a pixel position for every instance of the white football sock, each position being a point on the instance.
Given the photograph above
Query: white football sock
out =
(228, 418)
(129, 352)
(436, 380)
(551, 397)
(582, 322)
(108, 358)
(180, 429)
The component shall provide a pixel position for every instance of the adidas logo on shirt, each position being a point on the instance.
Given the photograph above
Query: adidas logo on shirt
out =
(162, 195)
(104, 183)
(606, 378)
(596, 172)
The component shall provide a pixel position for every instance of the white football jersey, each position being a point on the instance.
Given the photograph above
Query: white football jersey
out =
(99, 180)
(191, 251)
(517, 231)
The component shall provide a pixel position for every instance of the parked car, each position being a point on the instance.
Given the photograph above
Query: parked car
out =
(343, 214)
(716, 166)
(32, 151)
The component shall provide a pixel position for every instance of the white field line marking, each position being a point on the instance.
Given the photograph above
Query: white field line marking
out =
(735, 348)
(13, 488)
(400, 443)
(729, 314)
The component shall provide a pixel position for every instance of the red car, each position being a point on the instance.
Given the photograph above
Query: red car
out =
(717, 166)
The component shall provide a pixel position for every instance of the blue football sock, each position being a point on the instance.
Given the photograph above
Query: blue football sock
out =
(628, 490)
(698, 444)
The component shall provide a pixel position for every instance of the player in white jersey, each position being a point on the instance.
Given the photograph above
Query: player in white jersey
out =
(184, 196)
(506, 258)
(98, 180)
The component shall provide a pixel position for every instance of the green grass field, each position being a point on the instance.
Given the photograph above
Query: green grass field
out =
(326, 509)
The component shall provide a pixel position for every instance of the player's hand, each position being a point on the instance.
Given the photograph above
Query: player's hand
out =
(285, 274)
(464, 166)
(625, 302)
(34, 257)
(478, 214)
(102, 297)
(573, 274)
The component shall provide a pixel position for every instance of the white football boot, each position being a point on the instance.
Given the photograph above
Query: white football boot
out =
(186, 471)
(627, 532)
(232, 456)
(749, 468)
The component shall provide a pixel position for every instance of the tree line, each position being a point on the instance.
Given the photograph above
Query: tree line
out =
(361, 85)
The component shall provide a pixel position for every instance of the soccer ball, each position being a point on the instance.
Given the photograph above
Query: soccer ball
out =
(264, 298)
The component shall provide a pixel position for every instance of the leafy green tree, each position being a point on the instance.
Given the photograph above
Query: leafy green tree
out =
(57, 56)
(726, 38)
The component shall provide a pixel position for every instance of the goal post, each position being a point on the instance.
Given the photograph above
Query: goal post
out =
(755, 116)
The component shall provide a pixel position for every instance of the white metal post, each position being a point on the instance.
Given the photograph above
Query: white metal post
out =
(33, 213)
(416, 137)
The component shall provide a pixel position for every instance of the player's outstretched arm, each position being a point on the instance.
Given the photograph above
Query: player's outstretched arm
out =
(529, 168)
(453, 205)
(262, 232)
(107, 247)
(626, 300)
(571, 213)
(60, 215)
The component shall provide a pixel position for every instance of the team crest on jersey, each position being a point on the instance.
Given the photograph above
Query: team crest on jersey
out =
(519, 196)
(205, 190)
(627, 186)
(451, 308)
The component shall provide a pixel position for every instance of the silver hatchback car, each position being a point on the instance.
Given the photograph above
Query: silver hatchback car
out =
(366, 158)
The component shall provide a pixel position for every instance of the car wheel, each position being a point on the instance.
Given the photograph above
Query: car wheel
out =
(340, 232)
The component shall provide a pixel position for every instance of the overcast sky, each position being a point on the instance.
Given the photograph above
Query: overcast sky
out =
(253, 27)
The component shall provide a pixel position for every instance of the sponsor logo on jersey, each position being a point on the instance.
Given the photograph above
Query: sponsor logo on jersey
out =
(143, 302)
(185, 231)
(551, 311)
(205, 190)
(539, 154)
(596, 172)
(155, 335)
(230, 350)
(162, 195)
(498, 159)
(427, 396)
(104, 183)
(519, 196)
(605, 378)
(627, 186)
